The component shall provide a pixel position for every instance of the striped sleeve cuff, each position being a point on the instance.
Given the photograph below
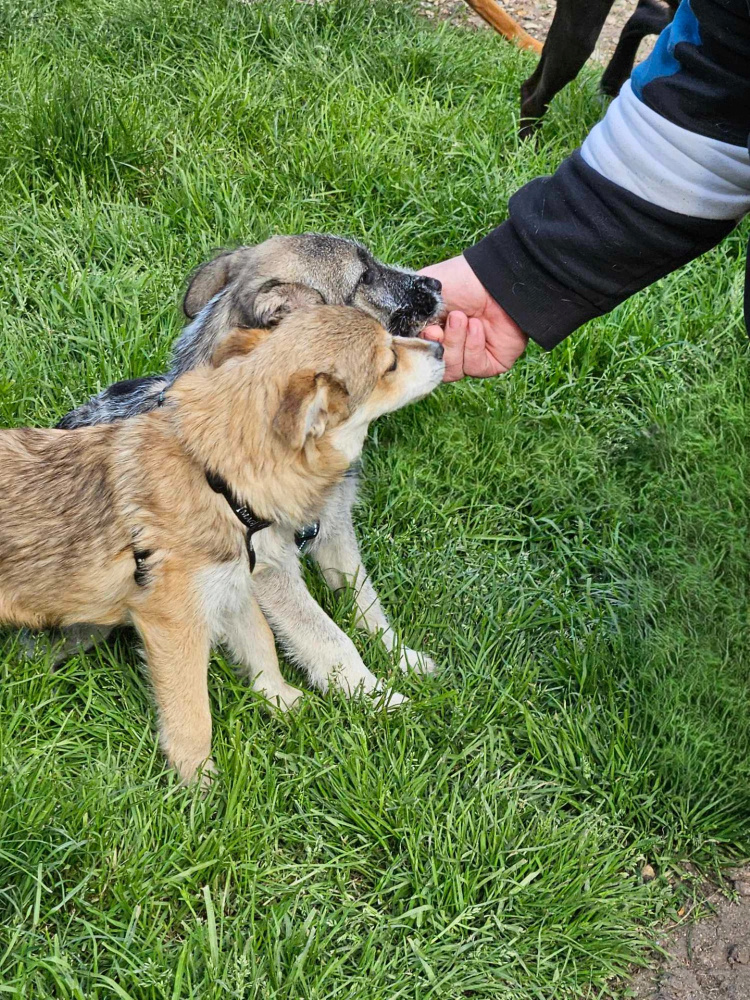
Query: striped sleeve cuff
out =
(577, 244)
(670, 166)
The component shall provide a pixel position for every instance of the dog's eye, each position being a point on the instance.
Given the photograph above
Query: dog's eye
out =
(368, 277)
(394, 365)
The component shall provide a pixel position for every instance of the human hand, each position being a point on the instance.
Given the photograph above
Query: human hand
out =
(480, 338)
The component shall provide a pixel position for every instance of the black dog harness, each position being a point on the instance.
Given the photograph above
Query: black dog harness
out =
(305, 535)
(246, 515)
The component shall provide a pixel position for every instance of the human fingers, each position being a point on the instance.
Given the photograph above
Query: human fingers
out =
(454, 340)
(477, 361)
(461, 289)
(433, 332)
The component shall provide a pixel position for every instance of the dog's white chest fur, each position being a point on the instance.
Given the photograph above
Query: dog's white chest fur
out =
(226, 588)
(274, 549)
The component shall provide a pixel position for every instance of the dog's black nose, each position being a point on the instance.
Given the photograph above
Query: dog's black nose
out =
(431, 284)
(438, 350)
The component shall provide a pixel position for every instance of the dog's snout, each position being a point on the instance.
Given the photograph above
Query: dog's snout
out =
(438, 350)
(431, 284)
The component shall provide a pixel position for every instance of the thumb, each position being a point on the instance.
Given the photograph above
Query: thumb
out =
(454, 342)
(476, 360)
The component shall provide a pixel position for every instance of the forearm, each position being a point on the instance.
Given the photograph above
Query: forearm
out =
(576, 245)
(661, 180)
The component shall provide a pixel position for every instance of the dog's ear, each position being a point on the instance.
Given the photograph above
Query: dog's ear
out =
(239, 342)
(310, 405)
(209, 279)
(275, 301)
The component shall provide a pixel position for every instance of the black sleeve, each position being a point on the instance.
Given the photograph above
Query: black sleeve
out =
(576, 245)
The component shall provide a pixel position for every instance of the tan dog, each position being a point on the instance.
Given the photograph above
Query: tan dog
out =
(151, 521)
(255, 287)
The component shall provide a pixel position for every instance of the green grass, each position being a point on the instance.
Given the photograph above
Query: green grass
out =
(571, 542)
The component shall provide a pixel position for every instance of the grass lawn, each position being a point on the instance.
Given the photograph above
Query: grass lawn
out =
(570, 542)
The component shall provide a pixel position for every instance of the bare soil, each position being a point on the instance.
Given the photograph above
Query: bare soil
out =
(704, 959)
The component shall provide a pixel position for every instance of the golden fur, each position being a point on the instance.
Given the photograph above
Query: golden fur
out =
(118, 524)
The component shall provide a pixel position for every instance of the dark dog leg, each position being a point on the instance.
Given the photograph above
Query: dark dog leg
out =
(650, 18)
(571, 40)
(61, 645)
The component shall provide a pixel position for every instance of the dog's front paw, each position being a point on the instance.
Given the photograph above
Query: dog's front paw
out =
(413, 659)
(283, 698)
(387, 698)
(206, 776)
(199, 772)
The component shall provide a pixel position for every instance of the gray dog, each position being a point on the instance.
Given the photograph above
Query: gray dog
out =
(254, 287)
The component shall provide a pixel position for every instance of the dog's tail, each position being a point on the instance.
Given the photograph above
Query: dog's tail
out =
(117, 402)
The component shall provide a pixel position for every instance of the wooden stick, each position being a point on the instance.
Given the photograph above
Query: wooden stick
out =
(491, 12)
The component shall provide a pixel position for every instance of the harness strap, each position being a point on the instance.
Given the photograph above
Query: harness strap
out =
(246, 515)
(306, 534)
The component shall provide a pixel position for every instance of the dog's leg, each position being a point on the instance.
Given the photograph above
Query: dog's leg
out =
(340, 562)
(649, 18)
(177, 646)
(571, 39)
(252, 643)
(308, 635)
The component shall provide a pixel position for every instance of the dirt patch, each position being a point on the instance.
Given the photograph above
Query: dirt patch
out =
(536, 16)
(707, 959)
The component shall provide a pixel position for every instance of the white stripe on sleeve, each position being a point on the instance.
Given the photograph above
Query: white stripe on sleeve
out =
(667, 165)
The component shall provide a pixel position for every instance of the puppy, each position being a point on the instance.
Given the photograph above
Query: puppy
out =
(255, 287)
(154, 521)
